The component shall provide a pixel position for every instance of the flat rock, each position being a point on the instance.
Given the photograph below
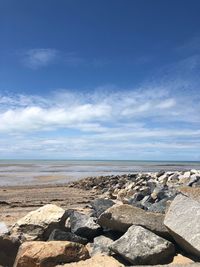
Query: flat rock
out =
(100, 205)
(84, 225)
(183, 222)
(121, 217)
(140, 246)
(38, 224)
(96, 261)
(49, 254)
(58, 235)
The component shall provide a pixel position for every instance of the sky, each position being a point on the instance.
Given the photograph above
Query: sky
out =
(100, 79)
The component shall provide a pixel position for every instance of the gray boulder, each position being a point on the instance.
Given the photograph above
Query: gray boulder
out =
(58, 235)
(140, 246)
(100, 205)
(101, 245)
(84, 225)
(183, 222)
(120, 218)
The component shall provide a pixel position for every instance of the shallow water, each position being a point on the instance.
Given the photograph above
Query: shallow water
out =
(31, 172)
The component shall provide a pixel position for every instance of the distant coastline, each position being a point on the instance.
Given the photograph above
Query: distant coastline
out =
(32, 172)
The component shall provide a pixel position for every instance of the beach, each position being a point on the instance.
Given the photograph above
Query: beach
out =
(17, 201)
(26, 185)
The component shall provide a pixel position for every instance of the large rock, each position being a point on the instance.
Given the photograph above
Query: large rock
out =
(58, 235)
(183, 222)
(8, 250)
(38, 224)
(140, 246)
(96, 261)
(49, 254)
(121, 217)
(100, 205)
(84, 225)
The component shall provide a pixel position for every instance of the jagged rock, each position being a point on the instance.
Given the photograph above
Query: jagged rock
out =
(38, 224)
(96, 261)
(8, 250)
(140, 246)
(100, 205)
(84, 225)
(49, 254)
(182, 220)
(121, 217)
(101, 245)
(58, 235)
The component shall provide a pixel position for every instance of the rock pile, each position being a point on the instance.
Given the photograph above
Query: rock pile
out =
(149, 191)
(123, 230)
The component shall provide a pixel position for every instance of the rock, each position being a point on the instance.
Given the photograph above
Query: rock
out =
(121, 217)
(100, 205)
(159, 207)
(182, 220)
(84, 225)
(101, 245)
(180, 259)
(160, 173)
(3, 229)
(191, 192)
(38, 224)
(49, 254)
(193, 179)
(58, 235)
(96, 261)
(185, 178)
(140, 246)
(8, 250)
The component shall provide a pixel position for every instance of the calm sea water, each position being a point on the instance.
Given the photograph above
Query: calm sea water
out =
(31, 172)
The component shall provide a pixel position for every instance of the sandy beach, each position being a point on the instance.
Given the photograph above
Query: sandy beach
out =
(17, 201)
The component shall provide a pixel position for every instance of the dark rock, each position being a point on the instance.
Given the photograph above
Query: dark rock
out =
(84, 225)
(58, 235)
(159, 207)
(140, 246)
(100, 205)
(160, 173)
(8, 250)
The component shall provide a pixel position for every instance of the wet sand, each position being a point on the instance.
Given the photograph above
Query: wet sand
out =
(17, 201)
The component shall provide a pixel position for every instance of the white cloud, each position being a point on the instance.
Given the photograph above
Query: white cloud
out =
(36, 58)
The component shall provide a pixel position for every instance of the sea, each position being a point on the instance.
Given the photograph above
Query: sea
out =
(36, 172)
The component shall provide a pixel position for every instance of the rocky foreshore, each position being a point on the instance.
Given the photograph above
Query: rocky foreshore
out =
(138, 219)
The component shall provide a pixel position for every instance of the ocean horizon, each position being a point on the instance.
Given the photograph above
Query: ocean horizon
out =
(50, 171)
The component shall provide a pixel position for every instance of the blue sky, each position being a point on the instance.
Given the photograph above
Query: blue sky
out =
(100, 79)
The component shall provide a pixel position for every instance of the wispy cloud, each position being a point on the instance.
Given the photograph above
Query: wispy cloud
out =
(41, 57)
(158, 120)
